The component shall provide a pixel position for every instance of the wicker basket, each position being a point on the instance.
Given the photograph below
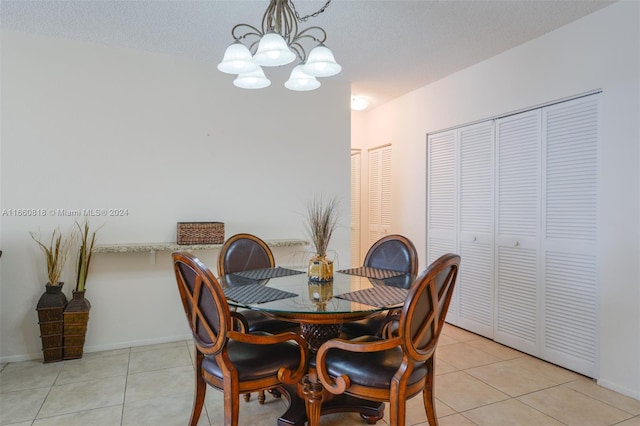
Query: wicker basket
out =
(200, 232)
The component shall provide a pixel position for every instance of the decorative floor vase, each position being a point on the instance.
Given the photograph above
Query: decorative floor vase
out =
(50, 318)
(320, 268)
(76, 317)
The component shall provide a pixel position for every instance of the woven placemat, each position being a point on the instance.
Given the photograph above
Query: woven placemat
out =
(256, 293)
(401, 281)
(377, 296)
(369, 272)
(265, 273)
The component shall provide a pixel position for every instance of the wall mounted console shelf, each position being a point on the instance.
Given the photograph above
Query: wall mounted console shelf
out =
(152, 248)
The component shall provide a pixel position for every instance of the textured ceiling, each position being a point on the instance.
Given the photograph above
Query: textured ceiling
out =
(386, 48)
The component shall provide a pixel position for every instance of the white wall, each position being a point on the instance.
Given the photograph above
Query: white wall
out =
(86, 126)
(600, 51)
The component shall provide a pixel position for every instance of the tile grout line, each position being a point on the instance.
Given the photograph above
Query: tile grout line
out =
(509, 397)
(48, 393)
(124, 394)
(536, 409)
(598, 399)
(516, 398)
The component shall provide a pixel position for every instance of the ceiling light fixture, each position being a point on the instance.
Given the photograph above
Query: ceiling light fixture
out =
(358, 103)
(278, 42)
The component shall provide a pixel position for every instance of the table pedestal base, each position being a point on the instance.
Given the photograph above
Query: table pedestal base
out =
(311, 390)
(370, 411)
(316, 334)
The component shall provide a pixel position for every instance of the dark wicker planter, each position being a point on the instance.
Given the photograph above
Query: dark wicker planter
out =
(50, 317)
(76, 317)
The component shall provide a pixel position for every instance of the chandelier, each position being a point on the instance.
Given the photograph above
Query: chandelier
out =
(277, 43)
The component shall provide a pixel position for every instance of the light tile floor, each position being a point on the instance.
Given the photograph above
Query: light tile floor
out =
(479, 382)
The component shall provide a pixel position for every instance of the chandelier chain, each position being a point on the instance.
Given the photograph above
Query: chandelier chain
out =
(312, 15)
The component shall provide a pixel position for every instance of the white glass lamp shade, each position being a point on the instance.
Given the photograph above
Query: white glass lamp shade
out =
(273, 51)
(321, 63)
(300, 81)
(358, 103)
(252, 80)
(237, 60)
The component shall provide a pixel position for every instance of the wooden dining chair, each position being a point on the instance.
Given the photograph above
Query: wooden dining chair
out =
(243, 252)
(395, 253)
(400, 367)
(228, 360)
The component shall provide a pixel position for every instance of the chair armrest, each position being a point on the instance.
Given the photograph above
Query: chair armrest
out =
(285, 375)
(240, 321)
(342, 383)
(385, 329)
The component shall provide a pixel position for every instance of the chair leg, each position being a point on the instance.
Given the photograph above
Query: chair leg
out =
(261, 397)
(428, 395)
(275, 392)
(231, 401)
(200, 391)
(397, 406)
(313, 401)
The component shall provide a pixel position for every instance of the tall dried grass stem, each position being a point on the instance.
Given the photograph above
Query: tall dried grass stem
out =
(55, 254)
(322, 220)
(87, 241)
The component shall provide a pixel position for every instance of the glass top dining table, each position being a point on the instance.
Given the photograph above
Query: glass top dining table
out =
(320, 308)
(288, 293)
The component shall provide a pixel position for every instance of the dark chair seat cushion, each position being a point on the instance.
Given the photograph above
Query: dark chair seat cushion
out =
(261, 322)
(371, 369)
(367, 326)
(256, 361)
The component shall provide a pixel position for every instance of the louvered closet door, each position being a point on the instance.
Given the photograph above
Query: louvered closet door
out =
(569, 246)
(356, 255)
(517, 198)
(380, 196)
(441, 202)
(475, 228)
(517, 256)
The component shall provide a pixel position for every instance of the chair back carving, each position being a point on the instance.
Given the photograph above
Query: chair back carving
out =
(243, 252)
(395, 253)
(423, 314)
(204, 303)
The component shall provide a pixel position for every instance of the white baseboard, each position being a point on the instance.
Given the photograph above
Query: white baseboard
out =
(20, 357)
(632, 393)
(136, 343)
(100, 348)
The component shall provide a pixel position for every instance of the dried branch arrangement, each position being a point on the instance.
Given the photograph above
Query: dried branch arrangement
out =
(322, 217)
(55, 254)
(87, 241)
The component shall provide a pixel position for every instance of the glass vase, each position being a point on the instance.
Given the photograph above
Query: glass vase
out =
(320, 268)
